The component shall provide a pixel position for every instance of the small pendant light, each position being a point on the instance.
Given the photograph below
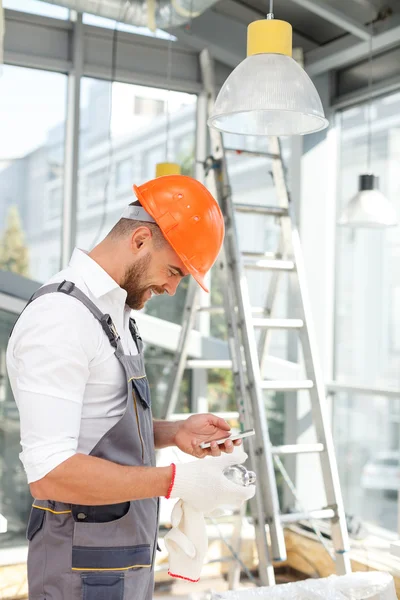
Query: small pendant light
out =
(369, 207)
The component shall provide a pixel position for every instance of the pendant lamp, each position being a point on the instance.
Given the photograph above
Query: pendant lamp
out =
(268, 93)
(369, 207)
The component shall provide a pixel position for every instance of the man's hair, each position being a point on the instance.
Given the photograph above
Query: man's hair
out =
(125, 227)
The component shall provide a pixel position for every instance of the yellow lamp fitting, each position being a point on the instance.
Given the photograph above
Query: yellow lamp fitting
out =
(269, 36)
(167, 168)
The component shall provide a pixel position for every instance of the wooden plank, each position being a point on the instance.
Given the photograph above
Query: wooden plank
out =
(306, 555)
(13, 582)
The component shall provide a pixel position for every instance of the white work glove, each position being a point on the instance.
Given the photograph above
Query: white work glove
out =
(186, 542)
(203, 485)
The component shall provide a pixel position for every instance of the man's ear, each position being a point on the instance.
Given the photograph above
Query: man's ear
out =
(141, 238)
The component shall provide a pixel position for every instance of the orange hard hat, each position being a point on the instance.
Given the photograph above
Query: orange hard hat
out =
(189, 218)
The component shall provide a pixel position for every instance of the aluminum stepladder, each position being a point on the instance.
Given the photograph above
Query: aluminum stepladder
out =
(248, 358)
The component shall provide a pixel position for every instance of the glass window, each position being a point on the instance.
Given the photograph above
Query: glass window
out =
(95, 186)
(368, 320)
(148, 106)
(37, 8)
(368, 457)
(15, 498)
(368, 273)
(31, 169)
(54, 202)
(394, 332)
(124, 172)
(150, 159)
(122, 148)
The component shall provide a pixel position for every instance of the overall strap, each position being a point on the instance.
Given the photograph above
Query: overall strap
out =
(69, 288)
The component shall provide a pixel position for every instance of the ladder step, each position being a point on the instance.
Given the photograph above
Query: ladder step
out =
(287, 386)
(258, 310)
(260, 255)
(211, 309)
(251, 152)
(273, 211)
(278, 323)
(297, 449)
(208, 364)
(220, 310)
(268, 264)
(323, 513)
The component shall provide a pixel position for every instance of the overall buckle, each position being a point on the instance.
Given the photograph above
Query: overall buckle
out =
(66, 287)
(109, 329)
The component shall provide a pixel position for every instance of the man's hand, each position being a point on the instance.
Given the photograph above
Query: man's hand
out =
(204, 428)
(203, 485)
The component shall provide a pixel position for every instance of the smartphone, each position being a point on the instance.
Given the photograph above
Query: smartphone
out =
(234, 436)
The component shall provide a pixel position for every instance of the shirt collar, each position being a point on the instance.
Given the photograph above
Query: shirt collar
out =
(96, 278)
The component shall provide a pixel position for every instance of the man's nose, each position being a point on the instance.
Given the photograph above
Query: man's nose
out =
(172, 285)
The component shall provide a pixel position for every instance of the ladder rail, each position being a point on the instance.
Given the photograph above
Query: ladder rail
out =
(267, 575)
(319, 410)
(235, 352)
(265, 460)
(269, 309)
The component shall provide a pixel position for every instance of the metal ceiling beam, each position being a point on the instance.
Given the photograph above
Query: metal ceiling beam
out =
(45, 43)
(226, 37)
(347, 51)
(366, 93)
(37, 42)
(245, 14)
(331, 14)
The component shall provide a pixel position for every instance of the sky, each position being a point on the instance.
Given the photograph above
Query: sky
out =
(33, 101)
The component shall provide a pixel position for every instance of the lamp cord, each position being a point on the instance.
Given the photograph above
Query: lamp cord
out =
(369, 114)
(167, 104)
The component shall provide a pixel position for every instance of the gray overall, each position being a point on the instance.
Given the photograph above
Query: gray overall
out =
(101, 552)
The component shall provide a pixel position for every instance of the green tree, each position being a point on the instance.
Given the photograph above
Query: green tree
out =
(14, 254)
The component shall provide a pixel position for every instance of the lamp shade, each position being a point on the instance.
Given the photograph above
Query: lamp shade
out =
(268, 93)
(369, 207)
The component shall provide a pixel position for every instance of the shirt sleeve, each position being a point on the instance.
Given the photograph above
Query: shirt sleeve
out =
(52, 349)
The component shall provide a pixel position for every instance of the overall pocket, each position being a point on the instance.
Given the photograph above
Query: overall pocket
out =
(117, 558)
(35, 523)
(102, 587)
(144, 418)
(132, 529)
(141, 387)
(105, 513)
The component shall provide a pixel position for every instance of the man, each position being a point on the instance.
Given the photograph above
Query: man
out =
(76, 368)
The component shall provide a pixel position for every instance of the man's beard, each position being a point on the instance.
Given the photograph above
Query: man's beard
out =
(134, 283)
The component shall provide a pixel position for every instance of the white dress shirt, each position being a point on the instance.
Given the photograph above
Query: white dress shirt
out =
(68, 385)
